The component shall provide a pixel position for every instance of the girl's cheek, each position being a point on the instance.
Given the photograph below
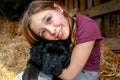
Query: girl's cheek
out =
(56, 21)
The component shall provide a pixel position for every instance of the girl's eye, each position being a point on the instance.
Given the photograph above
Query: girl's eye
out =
(43, 33)
(49, 20)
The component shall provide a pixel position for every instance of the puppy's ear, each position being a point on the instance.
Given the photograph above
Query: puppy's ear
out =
(67, 42)
(36, 53)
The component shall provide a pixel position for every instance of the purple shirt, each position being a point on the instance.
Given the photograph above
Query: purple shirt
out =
(88, 30)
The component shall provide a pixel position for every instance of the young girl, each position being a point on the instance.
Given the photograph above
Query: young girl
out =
(50, 20)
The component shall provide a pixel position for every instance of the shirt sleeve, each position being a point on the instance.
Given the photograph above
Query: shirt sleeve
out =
(87, 32)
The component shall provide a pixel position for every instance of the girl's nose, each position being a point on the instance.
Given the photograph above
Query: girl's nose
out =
(51, 29)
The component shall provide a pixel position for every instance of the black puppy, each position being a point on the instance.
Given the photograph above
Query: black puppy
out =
(50, 57)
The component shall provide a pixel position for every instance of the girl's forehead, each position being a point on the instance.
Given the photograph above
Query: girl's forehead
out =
(42, 14)
(38, 16)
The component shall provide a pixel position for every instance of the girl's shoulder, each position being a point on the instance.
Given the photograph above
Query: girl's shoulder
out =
(83, 19)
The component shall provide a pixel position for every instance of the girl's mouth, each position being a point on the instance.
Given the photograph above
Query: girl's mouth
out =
(60, 33)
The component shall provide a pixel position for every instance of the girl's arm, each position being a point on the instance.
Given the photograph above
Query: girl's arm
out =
(79, 57)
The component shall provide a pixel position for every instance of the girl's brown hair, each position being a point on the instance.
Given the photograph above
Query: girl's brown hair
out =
(34, 7)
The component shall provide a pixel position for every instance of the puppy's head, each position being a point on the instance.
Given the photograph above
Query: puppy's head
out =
(55, 57)
(51, 56)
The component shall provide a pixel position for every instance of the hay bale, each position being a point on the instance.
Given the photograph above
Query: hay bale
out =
(109, 64)
(109, 78)
(14, 49)
(9, 29)
(118, 68)
(13, 57)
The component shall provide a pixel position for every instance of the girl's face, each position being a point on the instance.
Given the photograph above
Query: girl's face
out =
(50, 25)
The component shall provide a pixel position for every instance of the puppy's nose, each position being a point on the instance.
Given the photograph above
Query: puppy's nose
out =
(52, 66)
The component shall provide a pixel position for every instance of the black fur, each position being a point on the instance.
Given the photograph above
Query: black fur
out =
(50, 57)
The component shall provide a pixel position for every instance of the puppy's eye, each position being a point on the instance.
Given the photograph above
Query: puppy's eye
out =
(48, 54)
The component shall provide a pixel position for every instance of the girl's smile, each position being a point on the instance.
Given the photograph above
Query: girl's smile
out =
(60, 33)
(50, 24)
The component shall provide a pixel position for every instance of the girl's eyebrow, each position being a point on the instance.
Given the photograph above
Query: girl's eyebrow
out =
(43, 18)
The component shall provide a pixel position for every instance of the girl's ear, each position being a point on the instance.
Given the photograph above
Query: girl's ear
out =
(59, 8)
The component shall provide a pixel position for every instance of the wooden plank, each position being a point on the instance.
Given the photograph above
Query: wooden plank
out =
(118, 29)
(106, 26)
(70, 4)
(89, 3)
(118, 24)
(75, 3)
(113, 26)
(66, 3)
(104, 8)
(82, 5)
(96, 2)
(112, 43)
